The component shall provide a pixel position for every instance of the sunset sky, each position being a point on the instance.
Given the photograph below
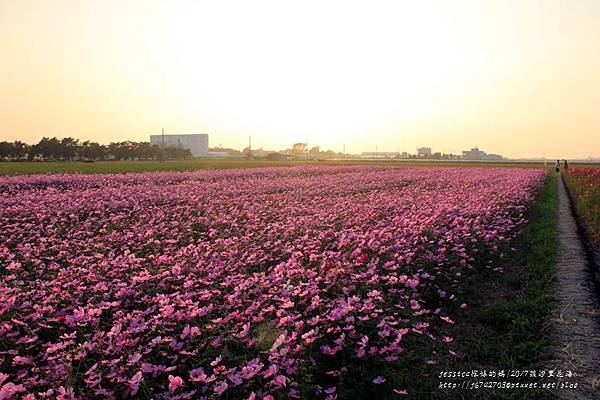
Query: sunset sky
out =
(520, 78)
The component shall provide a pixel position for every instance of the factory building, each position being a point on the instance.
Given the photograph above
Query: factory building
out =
(196, 143)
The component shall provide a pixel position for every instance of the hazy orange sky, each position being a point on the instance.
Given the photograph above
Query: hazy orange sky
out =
(520, 78)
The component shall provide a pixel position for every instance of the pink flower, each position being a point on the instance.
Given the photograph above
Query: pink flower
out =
(175, 382)
(9, 390)
(19, 360)
(177, 263)
(309, 336)
(221, 387)
(186, 332)
(328, 350)
(134, 382)
(279, 381)
(197, 375)
(414, 305)
(270, 371)
(378, 380)
(412, 283)
(280, 339)
(360, 353)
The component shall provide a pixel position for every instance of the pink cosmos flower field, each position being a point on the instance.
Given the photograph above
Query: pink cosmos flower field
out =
(304, 282)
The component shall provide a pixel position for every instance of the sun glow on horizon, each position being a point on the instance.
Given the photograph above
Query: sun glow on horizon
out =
(507, 76)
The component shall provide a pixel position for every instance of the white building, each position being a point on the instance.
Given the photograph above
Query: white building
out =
(476, 154)
(196, 143)
(473, 154)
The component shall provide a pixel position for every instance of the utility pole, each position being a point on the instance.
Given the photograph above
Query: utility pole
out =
(249, 147)
(344, 151)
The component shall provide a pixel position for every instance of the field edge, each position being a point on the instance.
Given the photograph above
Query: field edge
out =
(505, 328)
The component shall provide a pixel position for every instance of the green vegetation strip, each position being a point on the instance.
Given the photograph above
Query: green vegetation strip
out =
(503, 329)
(113, 167)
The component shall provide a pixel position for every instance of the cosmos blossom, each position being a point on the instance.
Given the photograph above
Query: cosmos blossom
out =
(175, 382)
(237, 283)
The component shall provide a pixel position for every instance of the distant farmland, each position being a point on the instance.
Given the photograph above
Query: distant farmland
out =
(112, 167)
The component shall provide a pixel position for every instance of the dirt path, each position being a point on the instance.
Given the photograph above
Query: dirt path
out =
(576, 324)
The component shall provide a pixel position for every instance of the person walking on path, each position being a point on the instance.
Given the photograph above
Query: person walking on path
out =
(557, 165)
(566, 165)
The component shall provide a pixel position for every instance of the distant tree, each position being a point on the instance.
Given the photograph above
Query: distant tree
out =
(113, 150)
(47, 148)
(130, 150)
(123, 150)
(275, 157)
(155, 152)
(186, 154)
(147, 151)
(20, 149)
(142, 150)
(299, 150)
(13, 150)
(6, 150)
(93, 151)
(331, 154)
(314, 152)
(177, 153)
(69, 148)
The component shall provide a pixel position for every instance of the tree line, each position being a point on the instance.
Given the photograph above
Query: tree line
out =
(70, 149)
